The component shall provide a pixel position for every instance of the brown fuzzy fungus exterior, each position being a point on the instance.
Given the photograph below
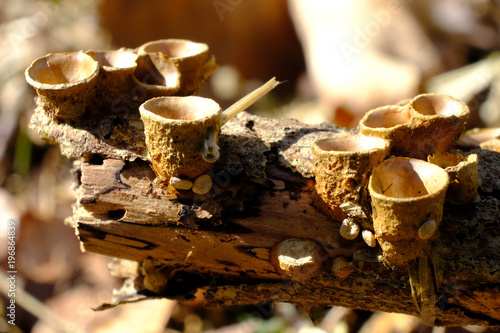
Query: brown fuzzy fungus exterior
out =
(342, 166)
(419, 127)
(65, 83)
(176, 129)
(464, 177)
(405, 193)
(191, 59)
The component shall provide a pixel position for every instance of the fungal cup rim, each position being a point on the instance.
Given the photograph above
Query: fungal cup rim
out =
(39, 64)
(365, 143)
(214, 108)
(100, 53)
(191, 49)
(383, 111)
(441, 186)
(459, 109)
(149, 62)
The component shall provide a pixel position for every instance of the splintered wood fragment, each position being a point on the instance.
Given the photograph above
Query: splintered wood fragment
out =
(221, 244)
(248, 100)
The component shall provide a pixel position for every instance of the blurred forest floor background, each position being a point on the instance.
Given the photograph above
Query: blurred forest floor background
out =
(338, 61)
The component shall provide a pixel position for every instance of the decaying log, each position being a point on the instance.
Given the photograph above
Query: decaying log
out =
(219, 245)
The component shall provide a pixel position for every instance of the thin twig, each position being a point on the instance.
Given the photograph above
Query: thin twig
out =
(248, 100)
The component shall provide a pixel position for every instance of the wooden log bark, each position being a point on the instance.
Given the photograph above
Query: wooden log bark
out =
(219, 246)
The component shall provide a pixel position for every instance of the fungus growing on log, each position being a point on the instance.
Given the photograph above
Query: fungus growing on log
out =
(237, 242)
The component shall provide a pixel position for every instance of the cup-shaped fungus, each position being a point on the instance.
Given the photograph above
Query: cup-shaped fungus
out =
(64, 83)
(181, 134)
(464, 177)
(341, 267)
(342, 166)
(436, 124)
(405, 194)
(156, 75)
(298, 259)
(390, 122)
(116, 73)
(192, 59)
(493, 145)
(155, 275)
(484, 138)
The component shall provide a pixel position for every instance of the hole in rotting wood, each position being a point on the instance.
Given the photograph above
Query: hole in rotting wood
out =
(116, 214)
(96, 160)
(250, 124)
(77, 178)
(116, 122)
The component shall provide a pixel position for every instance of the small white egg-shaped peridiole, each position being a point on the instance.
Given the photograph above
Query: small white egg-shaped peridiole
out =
(349, 229)
(202, 184)
(180, 184)
(369, 238)
(427, 229)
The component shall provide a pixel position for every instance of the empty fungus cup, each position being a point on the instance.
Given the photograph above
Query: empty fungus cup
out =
(115, 61)
(157, 76)
(493, 145)
(464, 177)
(437, 122)
(343, 164)
(484, 138)
(298, 259)
(193, 60)
(181, 135)
(116, 73)
(405, 194)
(64, 83)
(390, 122)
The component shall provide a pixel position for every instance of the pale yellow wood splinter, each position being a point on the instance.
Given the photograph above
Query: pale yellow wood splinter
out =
(248, 100)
